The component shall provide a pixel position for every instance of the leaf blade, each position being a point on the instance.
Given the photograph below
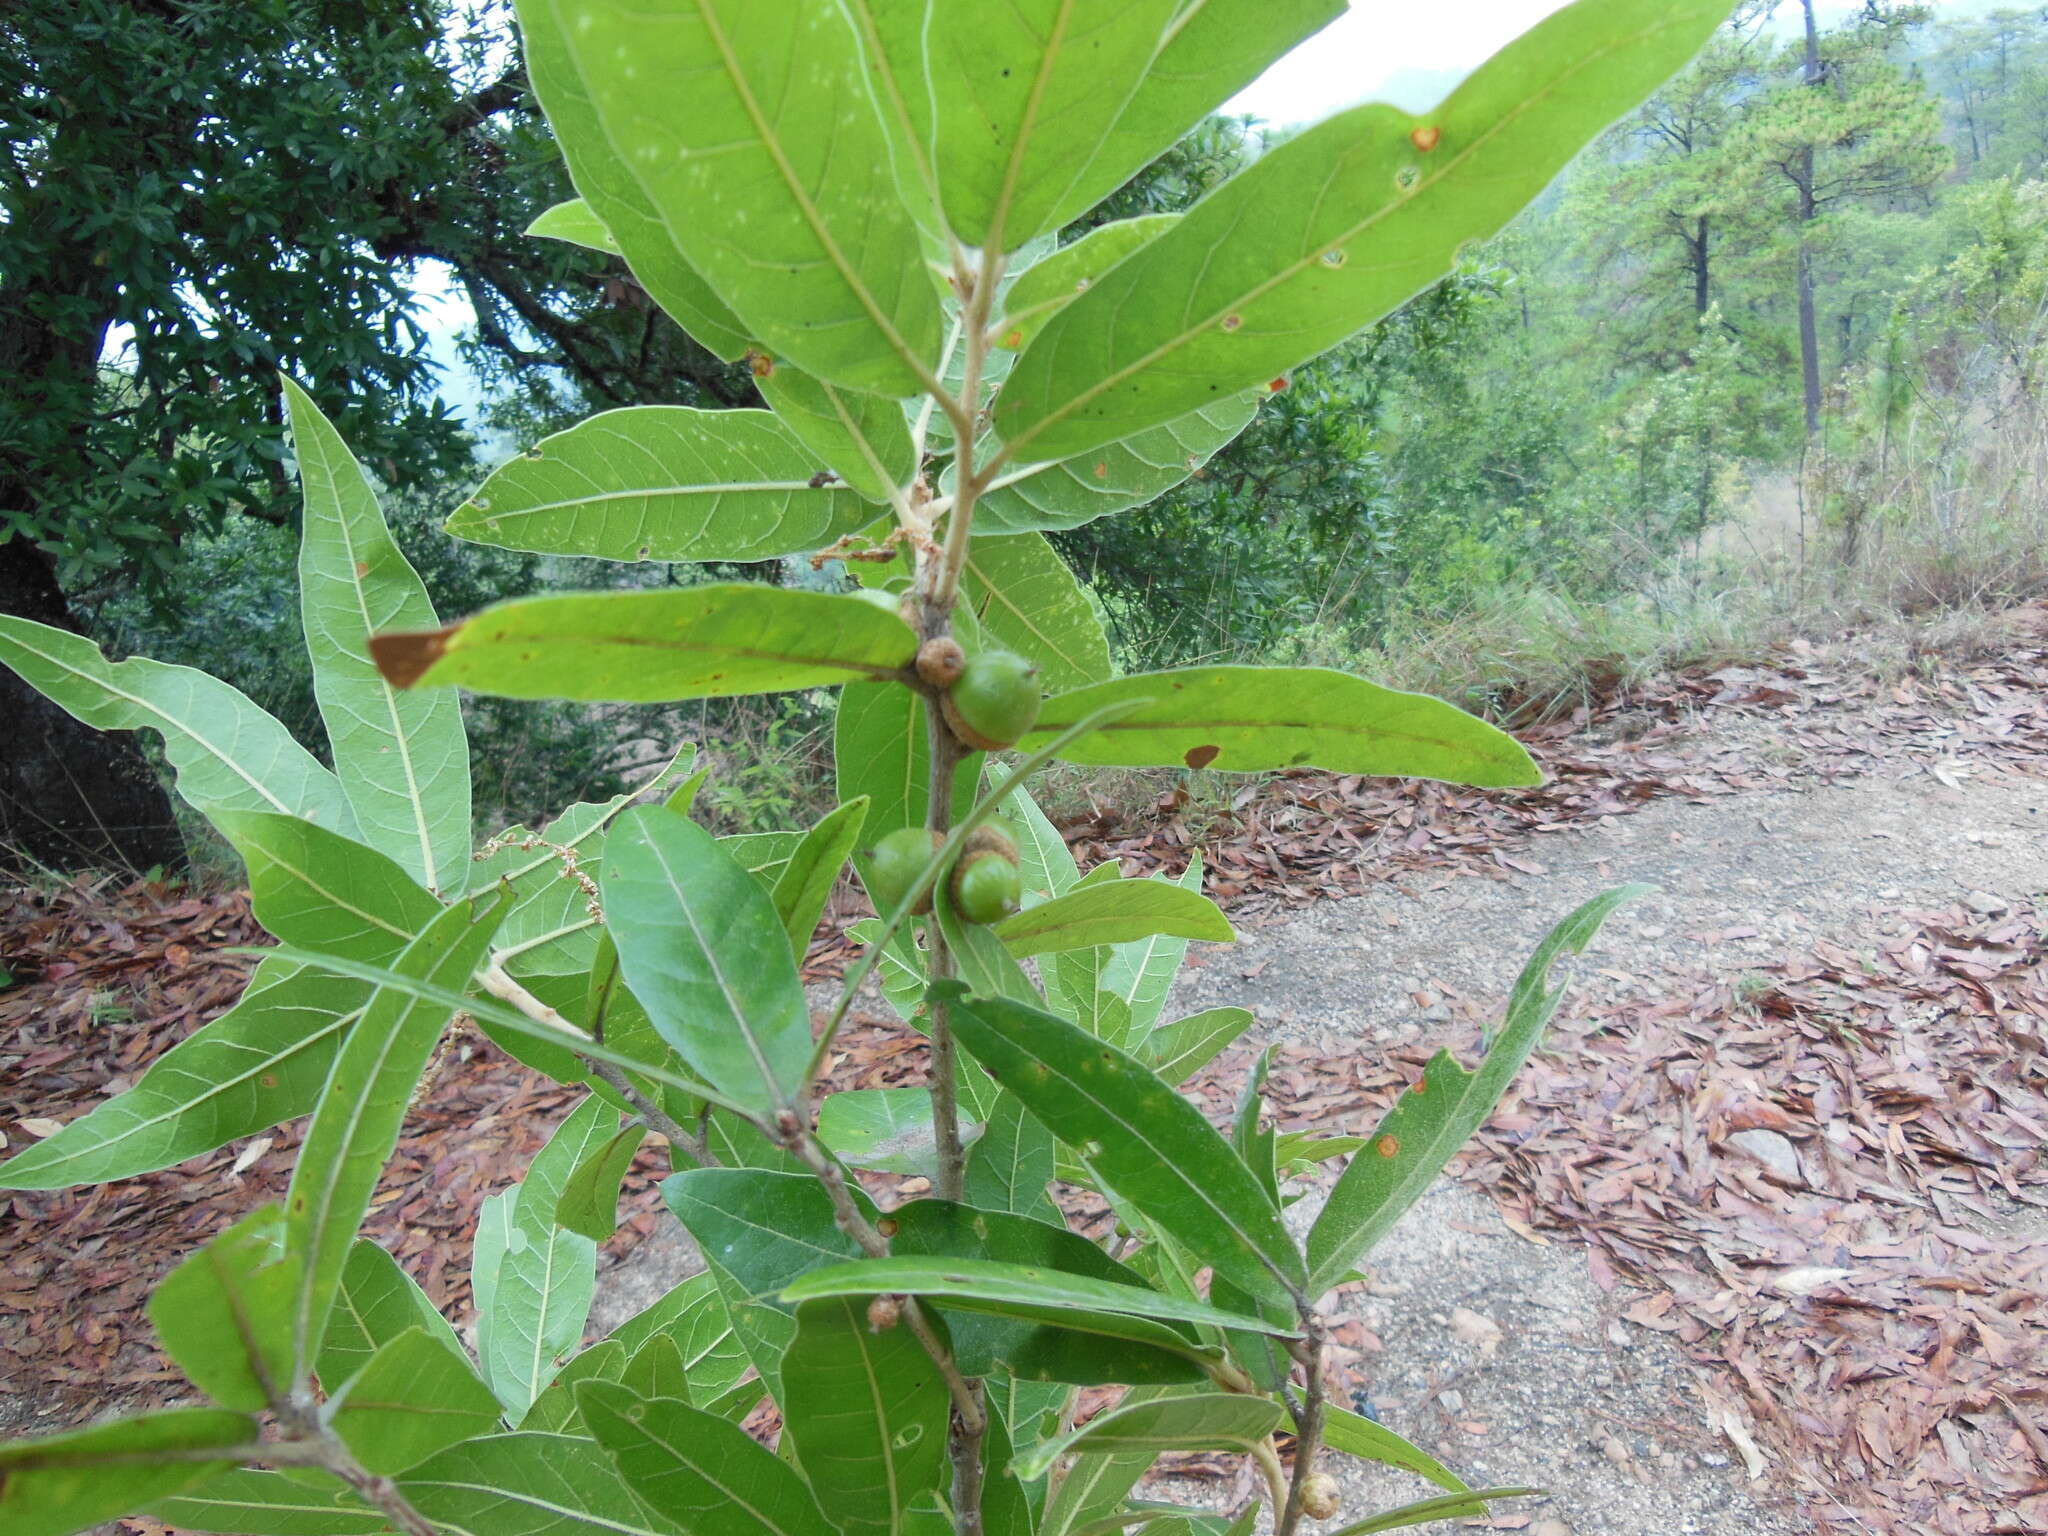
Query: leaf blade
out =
(1121, 912)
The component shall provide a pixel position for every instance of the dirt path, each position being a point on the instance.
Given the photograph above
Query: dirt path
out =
(1499, 1350)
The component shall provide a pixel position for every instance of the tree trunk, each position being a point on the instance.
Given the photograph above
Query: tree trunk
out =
(1702, 292)
(1809, 328)
(70, 795)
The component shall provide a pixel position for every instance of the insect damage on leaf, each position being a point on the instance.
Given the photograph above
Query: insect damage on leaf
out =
(1202, 757)
(404, 657)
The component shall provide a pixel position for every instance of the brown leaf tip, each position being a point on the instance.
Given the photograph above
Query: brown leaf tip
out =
(1202, 757)
(403, 658)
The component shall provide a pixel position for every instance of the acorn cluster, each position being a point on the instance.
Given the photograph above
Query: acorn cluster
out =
(984, 883)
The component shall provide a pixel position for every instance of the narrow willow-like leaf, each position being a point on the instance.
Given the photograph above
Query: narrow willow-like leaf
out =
(1437, 1116)
(589, 1202)
(356, 1126)
(225, 1314)
(413, 1398)
(663, 482)
(971, 1282)
(806, 881)
(1026, 599)
(704, 951)
(626, 212)
(862, 438)
(1356, 1435)
(1142, 973)
(704, 642)
(1149, 1142)
(776, 185)
(1335, 228)
(314, 887)
(576, 223)
(1122, 913)
(1049, 286)
(227, 754)
(547, 1275)
(525, 1484)
(403, 762)
(260, 1063)
(1178, 1051)
(1208, 1421)
(1450, 1506)
(1129, 472)
(870, 1419)
(377, 1302)
(58, 1484)
(1254, 719)
(245, 1502)
(698, 1474)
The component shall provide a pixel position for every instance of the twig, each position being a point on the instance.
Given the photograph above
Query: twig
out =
(1308, 1426)
(692, 1147)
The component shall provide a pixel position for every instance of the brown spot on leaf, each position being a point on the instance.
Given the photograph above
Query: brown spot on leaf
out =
(1102, 471)
(1014, 339)
(759, 364)
(1426, 139)
(362, 569)
(404, 658)
(1278, 384)
(1388, 1146)
(1202, 757)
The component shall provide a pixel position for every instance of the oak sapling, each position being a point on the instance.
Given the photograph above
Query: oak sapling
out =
(926, 1346)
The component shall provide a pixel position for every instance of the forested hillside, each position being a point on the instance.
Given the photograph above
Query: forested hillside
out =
(1768, 356)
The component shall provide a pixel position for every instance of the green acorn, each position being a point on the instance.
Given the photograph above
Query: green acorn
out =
(894, 865)
(986, 887)
(995, 701)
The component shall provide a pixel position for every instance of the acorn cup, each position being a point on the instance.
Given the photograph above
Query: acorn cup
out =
(994, 702)
(894, 864)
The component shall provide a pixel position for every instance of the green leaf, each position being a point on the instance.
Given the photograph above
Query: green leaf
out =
(541, 1295)
(1450, 1506)
(262, 1062)
(554, 1412)
(403, 762)
(1178, 1051)
(1129, 472)
(225, 1314)
(871, 1419)
(614, 197)
(527, 1485)
(1208, 54)
(1009, 1168)
(776, 184)
(765, 1229)
(1025, 598)
(807, 880)
(414, 1398)
(887, 1129)
(1439, 1115)
(364, 1103)
(1049, 286)
(862, 438)
(1142, 973)
(663, 482)
(699, 1474)
(58, 1484)
(880, 751)
(706, 642)
(589, 1202)
(1335, 228)
(658, 1369)
(1121, 912)
(1097, 1485)
(376, 1303)
(1033, 1341)
(702, 948)
(1144, 1138)
(317, 888)
(1254, 719)
(245, 1502)
(1356, 1435)
(988, 1285)
(227, 754)
(1208, 1421)
(576, 223)
(1006, 103)
(694, 1316)
(1043, 857)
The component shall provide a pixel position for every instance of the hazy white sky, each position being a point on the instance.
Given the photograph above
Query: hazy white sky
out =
(1400, 51)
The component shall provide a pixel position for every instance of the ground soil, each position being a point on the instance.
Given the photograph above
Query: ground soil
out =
(1812, 828)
